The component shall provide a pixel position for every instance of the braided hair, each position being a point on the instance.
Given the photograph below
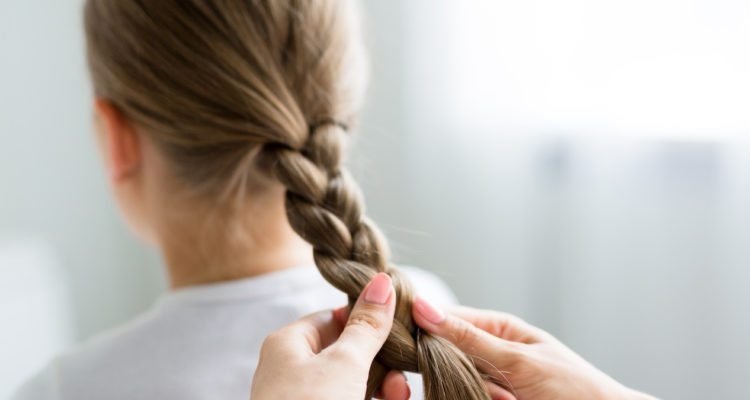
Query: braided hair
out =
(213, 81)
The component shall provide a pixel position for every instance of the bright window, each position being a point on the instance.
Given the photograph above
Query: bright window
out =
(654, 68)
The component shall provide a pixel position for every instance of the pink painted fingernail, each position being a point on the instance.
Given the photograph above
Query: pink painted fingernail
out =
(379, 290)
(428, 311)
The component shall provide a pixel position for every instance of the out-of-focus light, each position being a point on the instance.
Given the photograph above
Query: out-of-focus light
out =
(650, 68)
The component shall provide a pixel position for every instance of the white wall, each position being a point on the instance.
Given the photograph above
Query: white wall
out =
(586, 164)
(52, 192)
(34, 302)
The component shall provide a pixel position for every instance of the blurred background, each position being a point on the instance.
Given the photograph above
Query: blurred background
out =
(582, 163)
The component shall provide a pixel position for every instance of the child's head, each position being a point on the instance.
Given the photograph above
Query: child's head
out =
(199, 94)
(237, 110)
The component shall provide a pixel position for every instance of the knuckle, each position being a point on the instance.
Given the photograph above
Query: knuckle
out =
(273, 341)
(365, 321)
(507, 321)
(463, 335)
(501, 323)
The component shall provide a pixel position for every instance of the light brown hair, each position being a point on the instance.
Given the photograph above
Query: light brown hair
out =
(232, 89)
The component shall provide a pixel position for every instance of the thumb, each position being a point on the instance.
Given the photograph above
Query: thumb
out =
(370, 320)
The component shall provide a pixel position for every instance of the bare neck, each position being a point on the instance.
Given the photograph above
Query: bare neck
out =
(257, 242)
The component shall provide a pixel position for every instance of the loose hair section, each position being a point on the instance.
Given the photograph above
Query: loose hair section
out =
(214, 81)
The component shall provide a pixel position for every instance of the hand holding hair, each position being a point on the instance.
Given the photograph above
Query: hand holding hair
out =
(316, 359)
(520, 358)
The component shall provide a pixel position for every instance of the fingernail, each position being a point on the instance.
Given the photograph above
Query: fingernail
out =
(379, 289)
(428, 311)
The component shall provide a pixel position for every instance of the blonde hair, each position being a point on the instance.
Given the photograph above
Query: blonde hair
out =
(227, 87)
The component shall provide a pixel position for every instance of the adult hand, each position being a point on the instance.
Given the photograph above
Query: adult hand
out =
(523, 359)
(315, 358)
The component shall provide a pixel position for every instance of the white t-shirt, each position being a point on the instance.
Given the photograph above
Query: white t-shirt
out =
(198, 343)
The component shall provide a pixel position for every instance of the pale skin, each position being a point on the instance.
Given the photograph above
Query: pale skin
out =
(318, 357)
(148, 197)
(527, 362)
(145, 189)
(153, 205)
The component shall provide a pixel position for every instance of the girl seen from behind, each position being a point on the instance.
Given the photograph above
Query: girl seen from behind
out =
(223, 125)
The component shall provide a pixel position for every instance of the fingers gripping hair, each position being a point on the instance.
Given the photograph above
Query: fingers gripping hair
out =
(325, 207)
(211, 81)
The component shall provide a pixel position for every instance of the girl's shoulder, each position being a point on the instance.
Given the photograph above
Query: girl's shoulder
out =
(430, 286)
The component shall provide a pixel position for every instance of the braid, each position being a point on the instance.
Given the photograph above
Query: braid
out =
(215, 83)
(325, 207)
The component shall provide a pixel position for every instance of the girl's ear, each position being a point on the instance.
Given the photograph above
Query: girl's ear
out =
(118, 141)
